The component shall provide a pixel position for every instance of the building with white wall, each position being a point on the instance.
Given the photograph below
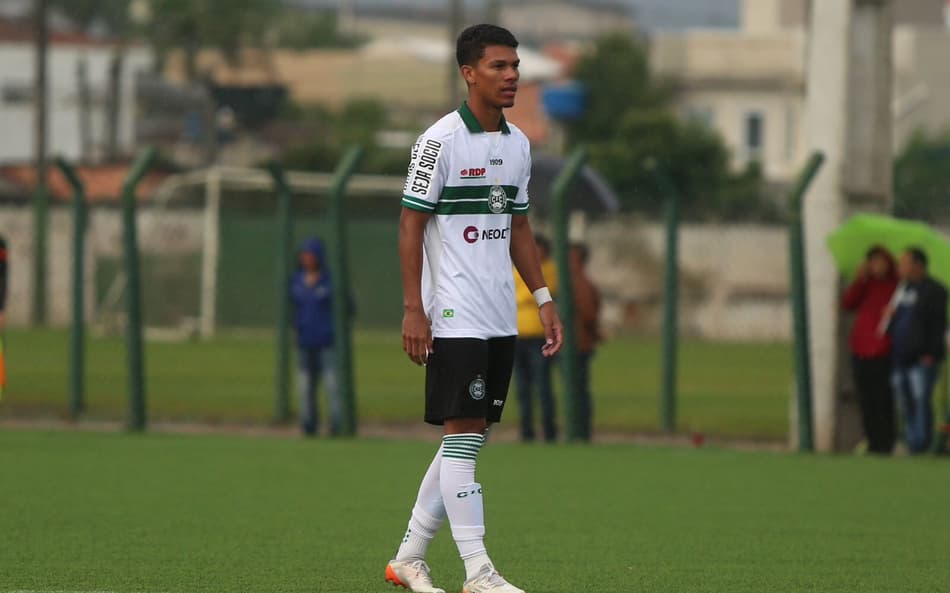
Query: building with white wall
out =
(749, 84)
(66, 52)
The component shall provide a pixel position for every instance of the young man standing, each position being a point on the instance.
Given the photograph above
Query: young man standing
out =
(462, 226)
(917, 325)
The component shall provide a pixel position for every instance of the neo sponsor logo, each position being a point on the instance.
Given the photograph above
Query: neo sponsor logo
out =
(425, 156)
(495, 162)
(499, 402)
(474, 172)
(472, 234)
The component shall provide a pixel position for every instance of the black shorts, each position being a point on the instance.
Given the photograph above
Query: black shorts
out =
(468, 378)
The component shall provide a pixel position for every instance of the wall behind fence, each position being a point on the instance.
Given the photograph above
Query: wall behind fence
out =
(246, 267)
(734, 277)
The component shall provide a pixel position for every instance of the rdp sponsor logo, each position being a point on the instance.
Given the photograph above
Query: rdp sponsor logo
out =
(425, 156)
(473, 234)
(474, 172)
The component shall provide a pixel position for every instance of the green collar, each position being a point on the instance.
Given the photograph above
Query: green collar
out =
(472, 124)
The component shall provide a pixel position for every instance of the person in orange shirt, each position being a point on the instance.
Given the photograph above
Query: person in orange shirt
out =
(532, 368)
(586, 320)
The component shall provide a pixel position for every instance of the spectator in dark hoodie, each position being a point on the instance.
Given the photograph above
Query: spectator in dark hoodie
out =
(869, 295)
(312, 292)
(917, 322)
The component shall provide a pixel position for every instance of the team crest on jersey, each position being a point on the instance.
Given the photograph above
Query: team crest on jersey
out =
(477, 389)
(497, 199)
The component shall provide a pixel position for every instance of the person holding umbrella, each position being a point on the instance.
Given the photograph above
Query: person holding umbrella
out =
(869, 295)
(916, 320)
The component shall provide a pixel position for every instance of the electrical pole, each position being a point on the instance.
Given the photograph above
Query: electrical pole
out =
(40, 199)
(456, 17)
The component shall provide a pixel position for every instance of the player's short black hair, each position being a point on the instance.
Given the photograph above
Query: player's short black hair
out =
(471, 43)
(918, 255)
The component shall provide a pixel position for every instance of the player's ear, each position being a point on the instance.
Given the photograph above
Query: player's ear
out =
(468, 73)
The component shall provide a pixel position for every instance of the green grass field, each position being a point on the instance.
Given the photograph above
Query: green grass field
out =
(725, 389)
(190, 514)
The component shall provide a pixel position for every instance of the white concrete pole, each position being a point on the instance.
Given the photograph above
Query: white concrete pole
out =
(825, 105)
(209, 252)
(847, 117)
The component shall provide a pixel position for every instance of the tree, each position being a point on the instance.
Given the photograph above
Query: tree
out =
(112, 14)
(629, 127)
(922, 177)
(226, 25)
(306, 30)
(357, 122)
(693, 158)
(617, 76)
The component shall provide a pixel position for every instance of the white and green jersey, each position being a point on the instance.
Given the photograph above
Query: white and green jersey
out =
(472, 182)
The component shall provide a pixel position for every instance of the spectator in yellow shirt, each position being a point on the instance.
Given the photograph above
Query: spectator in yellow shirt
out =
(533, 369)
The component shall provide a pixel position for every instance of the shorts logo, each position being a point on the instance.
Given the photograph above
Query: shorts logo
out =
(497, 199)
(448, 313)
(499, 402)
(477, 389)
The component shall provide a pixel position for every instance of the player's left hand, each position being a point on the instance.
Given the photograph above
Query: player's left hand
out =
(553, 330)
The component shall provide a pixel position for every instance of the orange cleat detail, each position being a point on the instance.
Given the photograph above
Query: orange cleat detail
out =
(392, 578)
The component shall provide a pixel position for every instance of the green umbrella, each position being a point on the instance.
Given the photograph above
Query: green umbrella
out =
(850, 242)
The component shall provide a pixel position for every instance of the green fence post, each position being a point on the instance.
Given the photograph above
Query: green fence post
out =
(342, 314)
(133, 296)
(77, 349)
(283, 253)
(40, 249)
(565, 292)
(797, 267)
(671, 207)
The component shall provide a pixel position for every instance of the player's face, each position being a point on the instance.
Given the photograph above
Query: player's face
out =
(495, 78)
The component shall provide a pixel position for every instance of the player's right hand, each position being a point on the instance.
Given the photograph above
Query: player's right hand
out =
(416, 336)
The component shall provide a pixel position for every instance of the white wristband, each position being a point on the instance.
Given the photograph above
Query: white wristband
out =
(542, 296)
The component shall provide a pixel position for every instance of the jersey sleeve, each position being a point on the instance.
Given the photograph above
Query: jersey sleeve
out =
(427, 173)
(520, 205)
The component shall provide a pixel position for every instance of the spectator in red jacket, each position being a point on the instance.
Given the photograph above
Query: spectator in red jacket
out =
(869, 295)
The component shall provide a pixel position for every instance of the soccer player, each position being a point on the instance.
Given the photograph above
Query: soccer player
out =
(462, 226)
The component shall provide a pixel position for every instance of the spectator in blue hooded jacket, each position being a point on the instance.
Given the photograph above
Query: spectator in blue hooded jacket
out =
(312, 294)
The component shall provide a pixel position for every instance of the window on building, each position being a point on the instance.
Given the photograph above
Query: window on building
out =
(16, 93)
(753, 135)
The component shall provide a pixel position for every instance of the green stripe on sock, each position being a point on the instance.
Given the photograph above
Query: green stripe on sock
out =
(473, 440)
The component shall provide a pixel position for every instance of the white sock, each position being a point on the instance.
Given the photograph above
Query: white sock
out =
(462, 497)
(427, 515)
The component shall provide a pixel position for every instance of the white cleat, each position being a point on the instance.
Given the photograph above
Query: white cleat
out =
(412, 575)
(489, 581)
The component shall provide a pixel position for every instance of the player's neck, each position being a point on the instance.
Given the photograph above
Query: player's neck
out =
(488, 116)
